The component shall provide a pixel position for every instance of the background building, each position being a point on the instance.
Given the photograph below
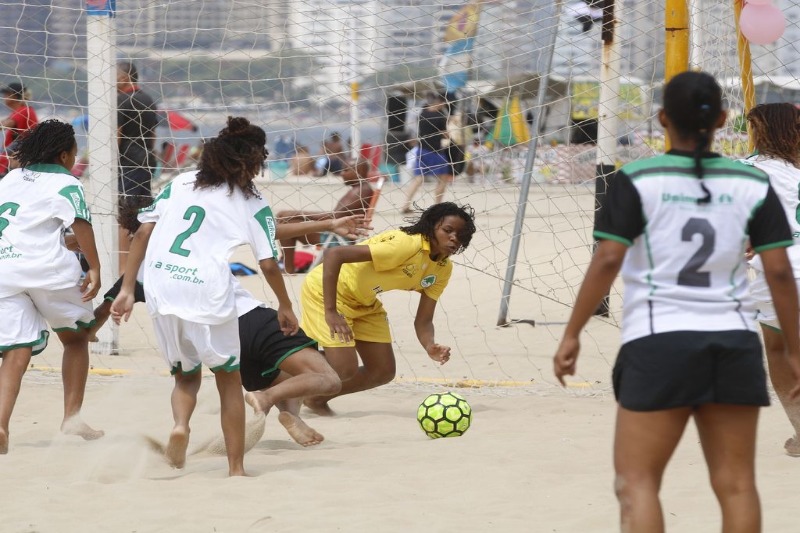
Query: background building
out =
(322, 45)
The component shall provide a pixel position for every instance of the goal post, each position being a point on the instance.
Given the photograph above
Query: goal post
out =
(102, 150)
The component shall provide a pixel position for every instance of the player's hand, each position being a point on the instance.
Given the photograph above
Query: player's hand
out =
(288, 321)
(438, 352)
(122, 306)
(91, 284)
(339, 328)
(749, 253)
(351, 227)
(566, 358)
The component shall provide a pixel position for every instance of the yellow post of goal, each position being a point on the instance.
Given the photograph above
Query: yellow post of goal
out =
(745, 69)
(676, 42)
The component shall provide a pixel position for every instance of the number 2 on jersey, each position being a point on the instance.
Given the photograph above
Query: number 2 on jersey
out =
(196, 215)
(690, 274)
(11, 209)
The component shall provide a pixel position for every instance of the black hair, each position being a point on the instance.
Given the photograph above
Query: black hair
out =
(44, 143)
(128, 213)
(693, 103)
(234, 157)
(430, 218)
(130, 70)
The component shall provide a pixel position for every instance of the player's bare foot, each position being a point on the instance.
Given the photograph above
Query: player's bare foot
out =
(76, 426)
(792, 447)
(258, 401)
(176, 447)
(3, 442)
(235, 472)
(319, 407)
(301, 432)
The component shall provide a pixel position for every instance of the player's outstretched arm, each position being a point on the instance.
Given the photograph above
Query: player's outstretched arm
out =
(423, 326)
(350, 227)
(332, 262)
(84, 235)
(286, 316)
(783, 287)
(604, 267)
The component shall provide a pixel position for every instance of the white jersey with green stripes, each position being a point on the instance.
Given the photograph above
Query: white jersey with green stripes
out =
(37, 204)
(186, 270)
(685, 269)
(785, 179)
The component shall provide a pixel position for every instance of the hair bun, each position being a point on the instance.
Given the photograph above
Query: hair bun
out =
(238, 125)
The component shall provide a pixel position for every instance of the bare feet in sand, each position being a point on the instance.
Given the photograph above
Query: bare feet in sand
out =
(792, 447)
(3, 442)
(258, 401)
(301, 432)
(176, 447)
(319, 407)
(76, 426)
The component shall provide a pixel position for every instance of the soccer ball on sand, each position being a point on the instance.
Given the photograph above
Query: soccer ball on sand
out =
(444, 415)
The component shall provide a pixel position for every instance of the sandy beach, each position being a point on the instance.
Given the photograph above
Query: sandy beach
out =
(536, 459)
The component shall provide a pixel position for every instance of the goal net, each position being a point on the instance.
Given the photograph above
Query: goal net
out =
(305, 70)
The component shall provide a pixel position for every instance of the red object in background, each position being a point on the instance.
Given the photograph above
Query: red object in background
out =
(302, 260)
(179, 122)
(371, 153)
(183, 152)
(80, 167)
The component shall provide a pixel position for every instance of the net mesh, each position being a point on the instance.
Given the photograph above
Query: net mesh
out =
(291, 66)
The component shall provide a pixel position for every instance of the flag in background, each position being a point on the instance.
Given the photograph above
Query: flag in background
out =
(460, 38)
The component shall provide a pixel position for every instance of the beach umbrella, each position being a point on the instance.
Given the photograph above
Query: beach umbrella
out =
(510, 127)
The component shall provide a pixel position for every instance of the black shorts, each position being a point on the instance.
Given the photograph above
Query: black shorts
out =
(264, 347)
(689, 369)
(138, 292)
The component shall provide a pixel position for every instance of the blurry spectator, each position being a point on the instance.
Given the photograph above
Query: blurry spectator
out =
(476, 159)
(284, 149)
(136, 123)
(136, 133)
(301, 163)
(333, 159)
(434, 153)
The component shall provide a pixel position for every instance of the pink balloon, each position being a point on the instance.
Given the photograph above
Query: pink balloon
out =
(762, 24)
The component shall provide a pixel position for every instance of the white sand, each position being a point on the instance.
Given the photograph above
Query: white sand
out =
(537, 458)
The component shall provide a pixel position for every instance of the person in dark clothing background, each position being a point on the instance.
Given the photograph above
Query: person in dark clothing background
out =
(434, 157)
(136, 134)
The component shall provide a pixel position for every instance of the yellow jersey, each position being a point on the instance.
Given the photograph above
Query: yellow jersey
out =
(399, 262)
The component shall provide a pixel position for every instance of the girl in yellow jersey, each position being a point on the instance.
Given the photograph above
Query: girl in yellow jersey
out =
(341, 309)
